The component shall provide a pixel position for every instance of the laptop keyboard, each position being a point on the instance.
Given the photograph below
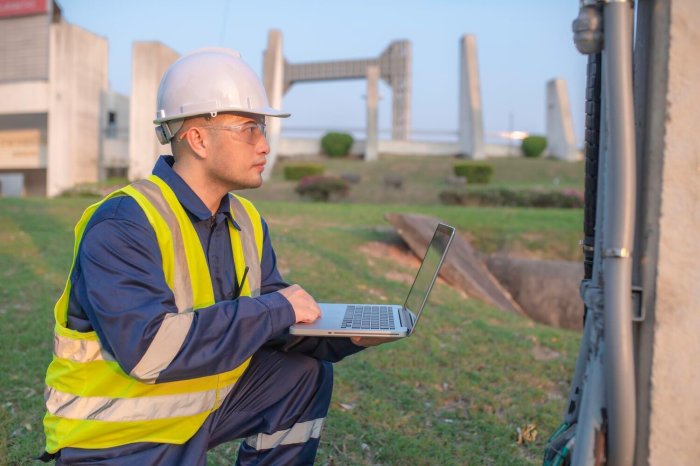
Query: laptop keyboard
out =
(368, 317)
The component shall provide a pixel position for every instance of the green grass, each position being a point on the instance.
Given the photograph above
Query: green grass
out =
(465, 384)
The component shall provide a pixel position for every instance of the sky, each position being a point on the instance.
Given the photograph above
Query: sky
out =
(520, 45)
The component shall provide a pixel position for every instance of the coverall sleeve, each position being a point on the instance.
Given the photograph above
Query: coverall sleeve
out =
(118, 282)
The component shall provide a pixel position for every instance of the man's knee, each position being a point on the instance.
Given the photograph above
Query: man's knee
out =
(311, 370)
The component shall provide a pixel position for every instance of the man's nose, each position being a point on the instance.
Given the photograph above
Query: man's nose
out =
(263, 147)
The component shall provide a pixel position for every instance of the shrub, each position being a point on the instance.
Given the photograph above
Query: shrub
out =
(352, 178)
(534, 146)
(322, 188)
(82, 190)
(299, 171)
(99, 189)
(504, 197)
(336, 144)
(475, 173)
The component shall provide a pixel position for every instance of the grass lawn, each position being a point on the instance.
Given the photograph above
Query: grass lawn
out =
(465, 383)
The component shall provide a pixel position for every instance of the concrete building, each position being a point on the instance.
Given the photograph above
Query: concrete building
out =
(114, 161)
(667, 77)
(149, 61)
(53, 79)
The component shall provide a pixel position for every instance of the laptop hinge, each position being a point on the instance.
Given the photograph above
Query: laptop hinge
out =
(406, 317)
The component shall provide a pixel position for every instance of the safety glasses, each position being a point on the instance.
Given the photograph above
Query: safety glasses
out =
(249, 132)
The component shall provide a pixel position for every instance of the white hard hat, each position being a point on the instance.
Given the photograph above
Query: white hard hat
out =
(208, 81)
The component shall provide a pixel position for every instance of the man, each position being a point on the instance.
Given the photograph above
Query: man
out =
(171, 334)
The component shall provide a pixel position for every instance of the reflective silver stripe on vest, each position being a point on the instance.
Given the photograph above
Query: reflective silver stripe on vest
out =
(175, 327)
(182, 286)
(164, 347)
(79, 350)
(146, 408)
(300, 432)
(250, 249)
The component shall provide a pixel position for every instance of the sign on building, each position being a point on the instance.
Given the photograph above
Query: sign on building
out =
(10, 8)
(20, 148)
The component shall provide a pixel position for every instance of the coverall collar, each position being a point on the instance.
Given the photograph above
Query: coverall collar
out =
(189, 200)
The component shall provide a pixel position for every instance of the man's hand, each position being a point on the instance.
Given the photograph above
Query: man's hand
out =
(305, 308)
(371, 341)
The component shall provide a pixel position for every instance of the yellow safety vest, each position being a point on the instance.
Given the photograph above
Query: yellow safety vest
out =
(91, 402)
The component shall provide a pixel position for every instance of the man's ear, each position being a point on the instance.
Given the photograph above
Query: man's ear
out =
(198, 141)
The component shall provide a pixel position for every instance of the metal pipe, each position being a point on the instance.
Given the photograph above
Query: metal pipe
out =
(618, 234)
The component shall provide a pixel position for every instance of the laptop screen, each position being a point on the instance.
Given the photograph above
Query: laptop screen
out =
(429, 268)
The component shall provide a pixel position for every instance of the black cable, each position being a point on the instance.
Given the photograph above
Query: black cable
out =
(592, 152)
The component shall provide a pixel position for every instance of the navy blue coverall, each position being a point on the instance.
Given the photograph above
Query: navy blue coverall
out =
(118, 289)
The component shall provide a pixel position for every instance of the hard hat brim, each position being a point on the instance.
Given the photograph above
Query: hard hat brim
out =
(266, 111)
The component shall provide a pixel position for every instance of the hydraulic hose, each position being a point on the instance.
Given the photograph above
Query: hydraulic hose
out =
(618, 234)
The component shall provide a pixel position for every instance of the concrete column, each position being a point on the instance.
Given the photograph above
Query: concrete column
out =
(561, 142)
(399, 61)
(149, 61)
(273, 79)
(668, 375)
(471, 123)
(77, 81)
(372, 132)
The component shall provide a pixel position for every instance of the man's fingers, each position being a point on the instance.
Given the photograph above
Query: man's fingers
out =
(309, 313)
(305, 308)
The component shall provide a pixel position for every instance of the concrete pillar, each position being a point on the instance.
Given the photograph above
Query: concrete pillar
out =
(149, 60)
(668, 349)
(471, 123)
(77, 81)
(561, 141)
(273, 79)
(401, 59)
(372, 132)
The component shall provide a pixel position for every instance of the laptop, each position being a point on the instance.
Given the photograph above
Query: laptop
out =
(384, 320)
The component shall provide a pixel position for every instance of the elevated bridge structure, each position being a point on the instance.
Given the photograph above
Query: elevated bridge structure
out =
(393, 66)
